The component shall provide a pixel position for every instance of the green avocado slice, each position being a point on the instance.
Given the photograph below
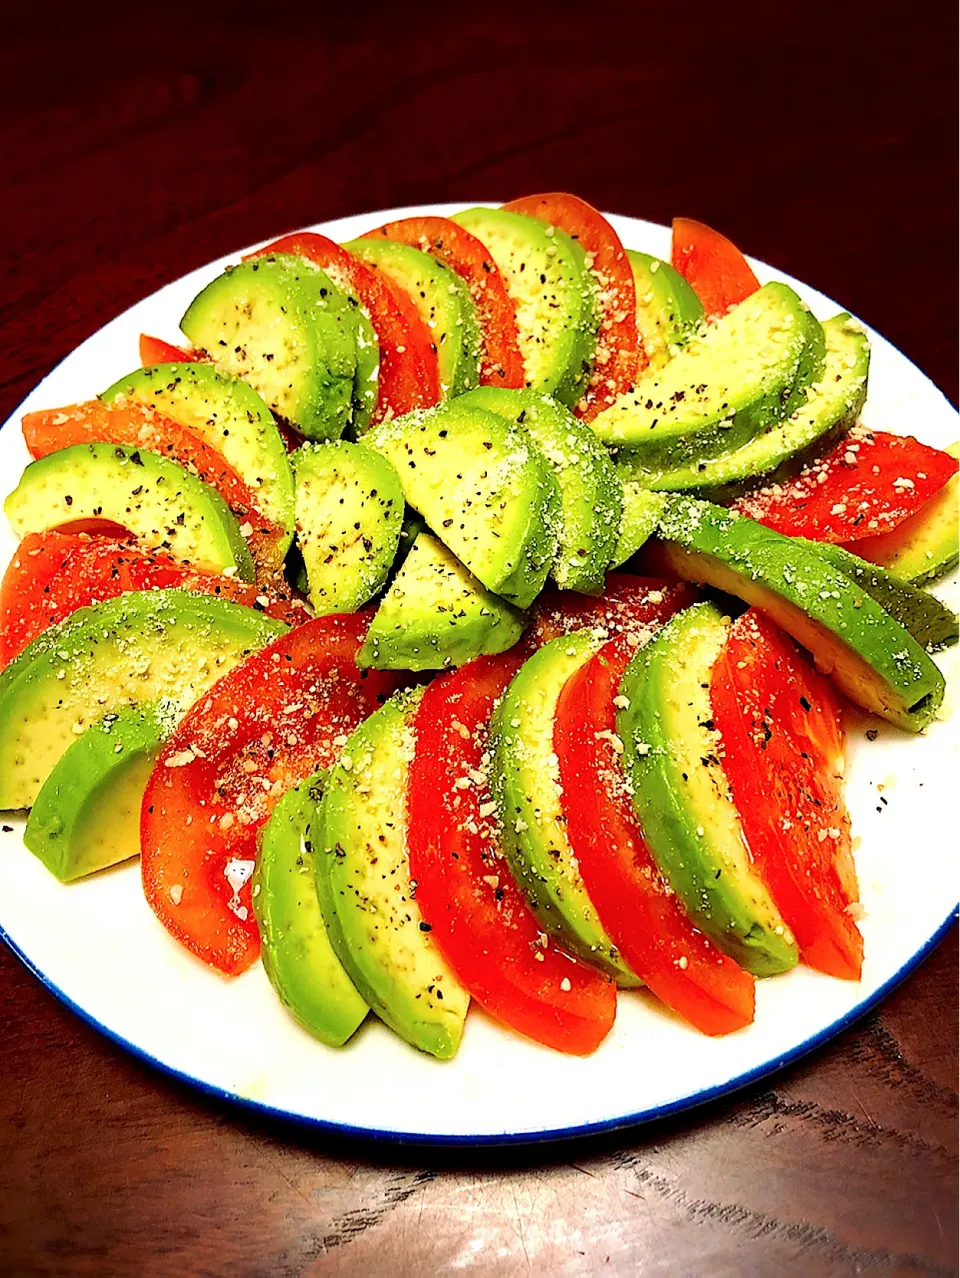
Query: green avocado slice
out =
(363, 882)
(641, 515)
(297, 955)
(668, 310)
(682, 797)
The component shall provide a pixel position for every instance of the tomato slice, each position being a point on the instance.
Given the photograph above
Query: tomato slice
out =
(479, 917)
(869, 483)
(154, 350)
(501, 363)
(628, 604)
(274, 720)
(620, 353)
(716, 269)
(409, 371)
(52, 575)
(642, 915)
(136, 425)
(783, 755)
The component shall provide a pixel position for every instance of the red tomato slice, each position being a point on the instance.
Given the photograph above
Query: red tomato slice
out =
(628, 604)
(52, 575)
(869, 483)
(783, 756)
(712, 265)
(620, 353)
(154, 350)
(271, 722)
(409, 371)
(501, 363)
(479, 917)
(638, 909)
(136, 425)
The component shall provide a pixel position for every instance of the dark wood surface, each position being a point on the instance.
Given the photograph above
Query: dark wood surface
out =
(138, 147)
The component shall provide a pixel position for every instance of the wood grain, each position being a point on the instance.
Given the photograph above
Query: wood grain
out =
(138, 146)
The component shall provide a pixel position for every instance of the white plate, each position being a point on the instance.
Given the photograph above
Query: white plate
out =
(98, 947)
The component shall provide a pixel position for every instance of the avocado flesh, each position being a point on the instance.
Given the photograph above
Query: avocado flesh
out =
(591, 500)
(870, 656)
(739, 376)
(366, 381)
(161, 503)
(298, 958)
(231, 417)
(134, 650)
(482, 487)
(437, 615)
(363, 883)
(682, 797)
(444, 302)
(925, 546)
(641, 515)
(546, 274)
(349, 511)
(525, 783)
(668, 310)
(279, 323)
(832, 406)
(87, 814)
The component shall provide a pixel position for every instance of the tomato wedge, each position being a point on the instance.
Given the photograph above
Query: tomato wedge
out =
(52, 575)
(154, 350)
(136, 425)
(501, 363)
(274, 720)
(628, 604)
(718, 272)
(783, 755)
(409, 372)
(640, 912)
(869, 483)
(478, 915)
(620, 352)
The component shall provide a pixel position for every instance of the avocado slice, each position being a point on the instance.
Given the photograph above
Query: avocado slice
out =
(134, 650)
(558, 313)
(87, 814)
(591, 495)
(868, 654)
(482, 487)
(298, 958)
(669, 313)
(363, 882)
(349, 513)
(366, 380)
(161, 503)
(743, 374)
(926, 546)
(230, 416)
(436, 614)
(525, 784)
(682, 798)
(641, 515)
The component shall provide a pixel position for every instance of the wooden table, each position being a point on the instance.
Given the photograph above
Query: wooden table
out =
(139, 148)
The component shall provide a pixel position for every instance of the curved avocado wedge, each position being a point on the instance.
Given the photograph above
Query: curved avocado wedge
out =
(525, 784)
(134, 650)
(87, 814)
(298, 958)
(641, 515)
(161, 503)
(872, 659)
(366, 895)
(682, 798)
(669, 312)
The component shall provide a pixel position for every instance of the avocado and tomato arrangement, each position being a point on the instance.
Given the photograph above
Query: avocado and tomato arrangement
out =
(466, 614)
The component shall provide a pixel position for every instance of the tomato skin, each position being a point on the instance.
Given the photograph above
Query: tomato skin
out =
(641, 914)
(409, 371)
(873, 482)
(269, 723)
(715, 268)
(479, 917)
(784, 764)
(501, 363)
(154, 350)
(628, 603)
(620, 353)
(52, 574)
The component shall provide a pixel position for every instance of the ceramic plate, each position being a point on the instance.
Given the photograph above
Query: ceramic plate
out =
(98, 947)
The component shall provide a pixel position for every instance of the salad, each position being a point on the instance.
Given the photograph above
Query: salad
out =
(466, 613)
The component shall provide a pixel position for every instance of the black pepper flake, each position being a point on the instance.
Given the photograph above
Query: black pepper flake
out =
(426, 927)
